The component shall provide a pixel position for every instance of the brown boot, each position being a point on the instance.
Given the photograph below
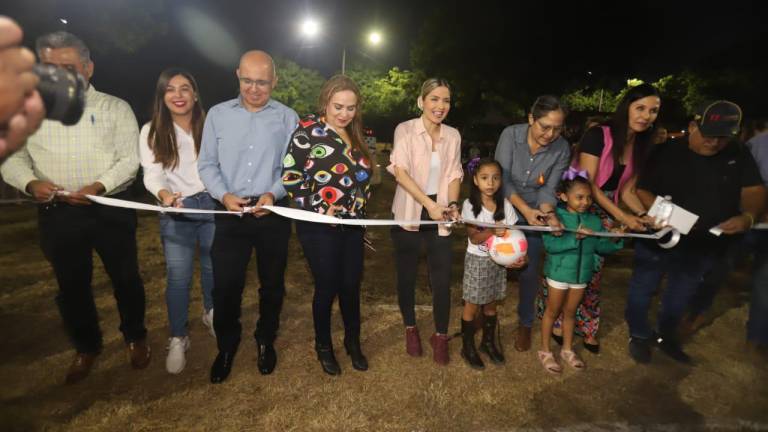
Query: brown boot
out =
(412, 342)
(139, 354)
(523, 339)
(439, 344)
(80, 368)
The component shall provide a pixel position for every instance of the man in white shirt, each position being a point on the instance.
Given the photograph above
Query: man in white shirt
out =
(59, 166)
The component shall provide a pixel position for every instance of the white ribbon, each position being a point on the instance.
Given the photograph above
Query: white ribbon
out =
(308, 216)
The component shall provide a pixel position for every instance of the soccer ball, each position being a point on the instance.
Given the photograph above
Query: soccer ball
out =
(508, 249)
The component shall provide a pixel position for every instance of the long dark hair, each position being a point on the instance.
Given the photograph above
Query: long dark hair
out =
(162, 136)
(334, 85)
(619, 124)
(475, 196)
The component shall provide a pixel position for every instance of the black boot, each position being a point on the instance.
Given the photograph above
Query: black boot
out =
(327, 359)
(468, 350)
(488, 345)
(352, 345)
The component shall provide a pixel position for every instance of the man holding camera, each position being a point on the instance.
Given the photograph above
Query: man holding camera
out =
(59, 166)
(21, 109)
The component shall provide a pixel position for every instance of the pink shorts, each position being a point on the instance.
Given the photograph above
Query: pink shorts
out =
(564, 285)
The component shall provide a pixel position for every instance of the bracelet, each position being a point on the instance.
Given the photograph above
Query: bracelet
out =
(453, 203)
(751, 219)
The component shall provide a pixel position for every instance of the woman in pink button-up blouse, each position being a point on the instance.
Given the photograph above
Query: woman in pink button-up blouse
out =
(426, 162)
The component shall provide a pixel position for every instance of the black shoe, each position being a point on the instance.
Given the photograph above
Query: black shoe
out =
(359, 362)
(267, 358)
(640, 350)
(558, 339)
(468, 350)
(222, 366)
(327, 359)
(673, 349)
(593, 348)
(488, 344)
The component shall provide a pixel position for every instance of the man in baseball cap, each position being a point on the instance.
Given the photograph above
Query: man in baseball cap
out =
(716, 123)
(721, 184)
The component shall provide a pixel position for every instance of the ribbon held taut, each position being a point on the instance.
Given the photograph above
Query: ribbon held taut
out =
(307, 216)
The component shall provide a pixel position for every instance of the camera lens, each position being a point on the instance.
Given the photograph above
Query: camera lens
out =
(63, 93)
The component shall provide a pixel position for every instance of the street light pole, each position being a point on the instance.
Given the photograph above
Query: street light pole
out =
(344, 60)
(311, 28)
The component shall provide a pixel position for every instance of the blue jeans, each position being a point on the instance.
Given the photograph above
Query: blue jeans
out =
(757, 325)
(685, 266)
(530, 278)
(181, 234)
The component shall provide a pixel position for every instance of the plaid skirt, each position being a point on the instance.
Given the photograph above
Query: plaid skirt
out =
(484, 280)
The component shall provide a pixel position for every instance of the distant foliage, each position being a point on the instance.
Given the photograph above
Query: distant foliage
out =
(387, 94)
(297, 87)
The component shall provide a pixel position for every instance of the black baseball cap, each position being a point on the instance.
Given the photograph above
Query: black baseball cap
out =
(718, 119)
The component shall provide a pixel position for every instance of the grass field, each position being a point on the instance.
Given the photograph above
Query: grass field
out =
(725, 389)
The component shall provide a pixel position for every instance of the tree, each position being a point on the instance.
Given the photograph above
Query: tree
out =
(387, 94)
(298, 87)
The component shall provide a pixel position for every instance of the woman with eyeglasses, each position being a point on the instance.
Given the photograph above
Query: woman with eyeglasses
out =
(534, 156)
(612, 154)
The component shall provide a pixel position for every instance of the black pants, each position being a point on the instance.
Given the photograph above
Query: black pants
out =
(335, 256)
(68, 236)
(233, 242)
(408, 246)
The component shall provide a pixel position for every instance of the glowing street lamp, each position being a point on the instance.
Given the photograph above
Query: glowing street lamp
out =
(374, 38)
(310, 28)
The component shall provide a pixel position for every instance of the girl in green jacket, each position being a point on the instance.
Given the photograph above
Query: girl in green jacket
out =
(571, 260)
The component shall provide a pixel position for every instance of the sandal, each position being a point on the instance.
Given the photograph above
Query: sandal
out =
(550, 364)
(572, 359)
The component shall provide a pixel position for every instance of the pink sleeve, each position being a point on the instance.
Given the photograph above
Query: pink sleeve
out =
(400, 156)
(456, 171)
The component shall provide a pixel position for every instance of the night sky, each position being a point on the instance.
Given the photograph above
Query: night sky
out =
(534, 46)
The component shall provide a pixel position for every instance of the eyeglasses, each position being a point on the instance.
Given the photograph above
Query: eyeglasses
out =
(247, 82)
(557, 130)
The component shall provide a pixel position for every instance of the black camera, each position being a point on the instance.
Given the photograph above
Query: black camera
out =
(63, 93)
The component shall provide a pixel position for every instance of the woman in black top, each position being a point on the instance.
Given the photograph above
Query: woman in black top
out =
(612, 154)
(327, 170)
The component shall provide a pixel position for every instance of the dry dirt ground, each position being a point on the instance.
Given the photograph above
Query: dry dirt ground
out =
(725, 390)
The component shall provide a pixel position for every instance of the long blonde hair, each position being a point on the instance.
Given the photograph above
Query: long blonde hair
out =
(334, 85)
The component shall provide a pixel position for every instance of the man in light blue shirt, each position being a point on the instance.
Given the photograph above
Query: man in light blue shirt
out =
(240, 163)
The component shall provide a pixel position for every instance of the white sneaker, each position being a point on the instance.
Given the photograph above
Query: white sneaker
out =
(208, 321)
(176, 360)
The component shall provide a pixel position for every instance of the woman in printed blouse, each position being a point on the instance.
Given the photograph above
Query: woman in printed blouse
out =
(327, 170)
(426, 162)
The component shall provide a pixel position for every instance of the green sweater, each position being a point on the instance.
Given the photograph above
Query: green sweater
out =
(571, 260)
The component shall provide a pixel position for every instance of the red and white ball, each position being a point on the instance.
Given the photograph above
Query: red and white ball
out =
(508, 249)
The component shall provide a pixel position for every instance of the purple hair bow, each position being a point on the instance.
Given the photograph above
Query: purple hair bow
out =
(572, 173)
(472, 164)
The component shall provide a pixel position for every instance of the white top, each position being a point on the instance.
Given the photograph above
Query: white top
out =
(184, 178)
(510, 218)
(433, 182)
